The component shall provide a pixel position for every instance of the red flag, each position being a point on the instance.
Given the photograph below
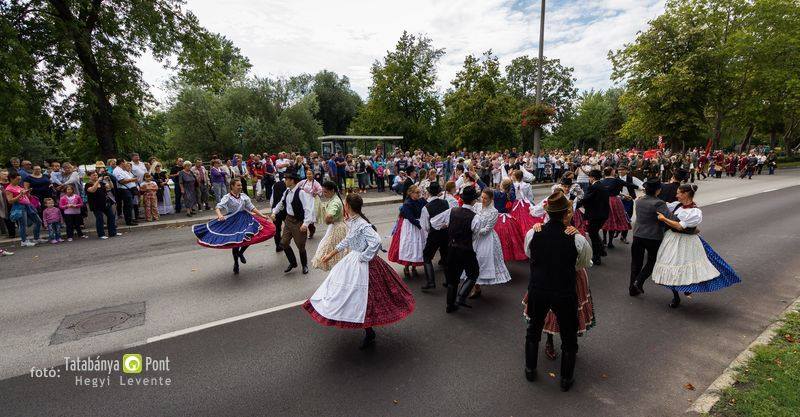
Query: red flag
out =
(708, 147)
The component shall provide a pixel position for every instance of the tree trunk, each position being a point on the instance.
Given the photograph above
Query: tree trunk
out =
(101, 109)
(717, 131)
(746, 142)
(773, 139)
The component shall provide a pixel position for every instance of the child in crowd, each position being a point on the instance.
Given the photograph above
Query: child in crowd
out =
(52, 220)
(71, 204)
(147, 193)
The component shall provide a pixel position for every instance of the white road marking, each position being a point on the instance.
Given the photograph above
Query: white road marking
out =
(725, 200)
(221, 322)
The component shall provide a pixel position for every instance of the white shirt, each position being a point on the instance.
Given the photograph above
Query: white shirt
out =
(441, 220)
(121, 174)
(138, 170)
(305, 199)
(282, 164)
(687, 217)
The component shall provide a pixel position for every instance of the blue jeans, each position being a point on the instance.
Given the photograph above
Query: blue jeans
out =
(54, 231)
(99, 222)
(28, 219)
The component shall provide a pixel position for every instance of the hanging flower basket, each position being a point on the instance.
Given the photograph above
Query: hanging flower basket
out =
(538, 115)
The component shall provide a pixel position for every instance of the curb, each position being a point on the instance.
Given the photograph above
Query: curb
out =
(712, 394)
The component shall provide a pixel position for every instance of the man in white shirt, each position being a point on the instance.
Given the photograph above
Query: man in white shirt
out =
(138, 170)
(298, 208)
(126, 183)
(281, 164)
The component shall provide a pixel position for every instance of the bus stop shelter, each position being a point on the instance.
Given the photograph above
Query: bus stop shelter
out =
(358, 145)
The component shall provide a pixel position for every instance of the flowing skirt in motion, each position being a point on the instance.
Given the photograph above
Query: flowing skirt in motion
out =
(492, 267)
(407, 244)
(522, 214)
(239, 229)
(334, 234)
(687, 263)
(617, 218)
(586, 318)
(358, 295)
(512, 238)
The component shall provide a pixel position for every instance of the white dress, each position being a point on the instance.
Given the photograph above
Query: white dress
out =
(681, 259)
(344, 293)
(487, 247)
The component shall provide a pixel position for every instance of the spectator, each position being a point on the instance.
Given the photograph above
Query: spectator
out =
(188, 186)
(7, 227)
(101, 199)
(22, 212)
(163, 195)
(126, 183)
(39, 184)
(219, 180)
(201, 174)
(173, 175)
(71, 204)
(147, 194)
(51, 216)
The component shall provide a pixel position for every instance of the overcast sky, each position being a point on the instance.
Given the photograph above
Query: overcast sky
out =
(287, 37)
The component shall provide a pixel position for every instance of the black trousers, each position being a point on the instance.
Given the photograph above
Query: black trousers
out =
(278, 227)
(459, 261)
(126, 201)
(437, 241)
(639, 272)
(594, 234)
(178, 194)
(564, 306)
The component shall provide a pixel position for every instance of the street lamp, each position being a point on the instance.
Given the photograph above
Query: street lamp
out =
(537, 132)
(240, 132)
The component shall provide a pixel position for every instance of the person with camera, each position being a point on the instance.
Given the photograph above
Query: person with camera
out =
(22, 211)
(100, 195)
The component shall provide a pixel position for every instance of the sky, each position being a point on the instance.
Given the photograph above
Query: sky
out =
(289, 37)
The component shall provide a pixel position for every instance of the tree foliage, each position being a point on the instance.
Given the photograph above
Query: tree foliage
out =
(403, 99)
(558, 83)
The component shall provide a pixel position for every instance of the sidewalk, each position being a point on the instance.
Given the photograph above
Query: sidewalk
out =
(372, 198)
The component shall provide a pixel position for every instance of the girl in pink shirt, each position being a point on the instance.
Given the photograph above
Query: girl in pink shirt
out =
(52, 220)
(71, 204)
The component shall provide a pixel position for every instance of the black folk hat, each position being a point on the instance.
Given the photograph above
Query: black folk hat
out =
(469, 194)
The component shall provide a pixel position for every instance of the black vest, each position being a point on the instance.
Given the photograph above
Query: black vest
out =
(297, 205)
(459, 230)
(553, 257)
(631, 188)
(436, 207)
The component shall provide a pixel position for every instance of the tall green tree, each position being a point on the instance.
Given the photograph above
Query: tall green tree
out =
(403, 99)
(595, 123)
(338, 103)
(210, 61)
(95, 44)
(558, 83)
(480, 110)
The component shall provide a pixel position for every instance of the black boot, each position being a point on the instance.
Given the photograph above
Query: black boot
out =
(463, 292)
(567, 370)
(304, 261)
(676, 300)
(235, 252)
(452, 291)
(241, 254)
(369, 338)
(633, 289)
(292, 260)
(531, 359)
(430, 277)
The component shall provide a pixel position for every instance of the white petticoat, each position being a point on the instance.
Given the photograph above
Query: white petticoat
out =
(489, 252)
(343, 294)
(682, 260)
(412, 243)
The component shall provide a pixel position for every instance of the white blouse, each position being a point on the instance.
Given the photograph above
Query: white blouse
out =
(523, 191)
(581, 244)
(232, 205)
(687, 217)
(361, 237)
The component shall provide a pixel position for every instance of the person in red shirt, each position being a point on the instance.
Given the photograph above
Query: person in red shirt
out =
(257, 173)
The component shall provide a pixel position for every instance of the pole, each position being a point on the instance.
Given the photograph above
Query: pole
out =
(537, 132)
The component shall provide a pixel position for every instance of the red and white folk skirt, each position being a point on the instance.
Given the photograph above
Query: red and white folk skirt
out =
(617, 218)
(521, 212)
(512, 238)
(586, 318)
(357, 295)
(408, 242)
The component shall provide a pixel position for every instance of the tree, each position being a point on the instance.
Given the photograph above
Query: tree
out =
(480, 111)
(595, 123)
(403, 98)
(558, 84)
(338, 103)
(210, 61)
(95, 44)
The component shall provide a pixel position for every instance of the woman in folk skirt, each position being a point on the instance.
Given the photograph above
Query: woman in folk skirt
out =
(332, 215)
(409, 239)
(362, 291)
(685, 262)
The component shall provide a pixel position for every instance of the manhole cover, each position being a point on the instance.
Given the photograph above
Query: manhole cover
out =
(101, 321)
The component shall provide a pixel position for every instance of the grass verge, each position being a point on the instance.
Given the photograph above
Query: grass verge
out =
(769, 384)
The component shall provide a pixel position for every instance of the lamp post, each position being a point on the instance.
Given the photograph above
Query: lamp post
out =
(240, 132)
(537, 132)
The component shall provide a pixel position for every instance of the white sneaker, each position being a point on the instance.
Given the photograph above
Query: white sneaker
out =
(28, 243)
(104, 237)
(69, 239)
(118, 234)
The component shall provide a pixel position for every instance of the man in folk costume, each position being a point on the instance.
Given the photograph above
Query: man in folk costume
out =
(298, 208)
(461, 223)
(648, 233)
(555, 255)
(277, 193)
(595, 201)
(437, 239)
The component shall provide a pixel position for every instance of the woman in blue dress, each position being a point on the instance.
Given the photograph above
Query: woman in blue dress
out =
(242, 225)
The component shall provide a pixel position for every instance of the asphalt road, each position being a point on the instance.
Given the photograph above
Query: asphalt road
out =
(635, 362)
